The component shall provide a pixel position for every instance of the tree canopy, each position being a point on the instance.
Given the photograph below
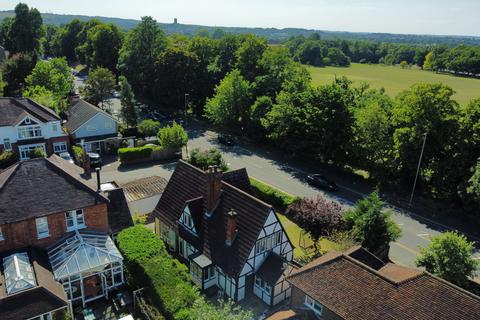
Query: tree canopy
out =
(99, 86)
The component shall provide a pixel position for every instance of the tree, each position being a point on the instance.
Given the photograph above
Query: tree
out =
(248, 56)
(317, 216)
(258, 110)
(206, 158)
(230, 104)
(17, 68)
(25, 31)
(371, 225)
(54, 75)
(46, 98)
(138, 54)
(66, 40)
(5, 26)
(473, 188)
(449, 256)
(2, 83)
(103, 43)
(148, 127)
(99, 86)
(172, 137)
(129, 105)
(50, 31)
(404, 64)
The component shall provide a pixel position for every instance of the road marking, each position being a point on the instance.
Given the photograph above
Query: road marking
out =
(424, 236)
(406, 248)
(400, 224)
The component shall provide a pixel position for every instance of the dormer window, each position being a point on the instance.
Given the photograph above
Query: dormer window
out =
(28, 121)
(187, 221)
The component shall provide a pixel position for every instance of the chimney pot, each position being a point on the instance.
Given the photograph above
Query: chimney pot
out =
(214, 186)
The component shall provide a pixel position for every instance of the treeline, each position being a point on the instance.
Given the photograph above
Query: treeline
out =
(314, 51)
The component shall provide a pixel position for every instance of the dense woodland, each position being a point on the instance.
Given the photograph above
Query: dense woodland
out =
(243, 84)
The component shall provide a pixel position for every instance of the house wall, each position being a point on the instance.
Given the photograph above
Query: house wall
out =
(297, 303)
(24, 233)
(99, 125)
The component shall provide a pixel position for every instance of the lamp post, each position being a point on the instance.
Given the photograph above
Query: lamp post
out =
(185, 123)
(418, 169)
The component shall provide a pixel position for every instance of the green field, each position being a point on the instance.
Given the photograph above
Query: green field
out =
(395, 79)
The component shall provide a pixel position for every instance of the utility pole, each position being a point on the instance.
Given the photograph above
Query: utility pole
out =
(418, 169)
(185, 123)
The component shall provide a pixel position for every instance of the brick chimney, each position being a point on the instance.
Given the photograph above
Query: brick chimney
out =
(231, 229)
(214, 186)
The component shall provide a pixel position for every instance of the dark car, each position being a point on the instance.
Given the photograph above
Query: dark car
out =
(95, 160)
(226, 139)
(320, 181)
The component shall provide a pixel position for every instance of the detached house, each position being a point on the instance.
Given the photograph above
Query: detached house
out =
(91, 125)
(54, 233)
(232, 241)
(26, 125)
(356, 285)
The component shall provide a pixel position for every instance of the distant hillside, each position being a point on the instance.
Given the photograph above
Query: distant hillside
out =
(274, 35)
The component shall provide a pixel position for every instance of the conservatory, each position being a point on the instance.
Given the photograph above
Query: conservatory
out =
(88, 265)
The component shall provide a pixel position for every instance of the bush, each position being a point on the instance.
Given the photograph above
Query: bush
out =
(148, 128)
(137, 153)
(278, 199)
(7, 158)
(78, 154)
(37, 153)
(167, 282)
(172, 137)
(207, 158)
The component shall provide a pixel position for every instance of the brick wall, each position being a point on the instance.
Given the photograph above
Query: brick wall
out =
(51, 141)
(297, 303)
(24, 233)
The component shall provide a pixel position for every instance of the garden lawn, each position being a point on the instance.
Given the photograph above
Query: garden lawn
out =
(303, 246)
(395, 79)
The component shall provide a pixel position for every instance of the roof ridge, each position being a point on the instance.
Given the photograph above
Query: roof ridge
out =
(248, 195)
(13, 166)
(335, 257)
(448, 283)
(47, 109)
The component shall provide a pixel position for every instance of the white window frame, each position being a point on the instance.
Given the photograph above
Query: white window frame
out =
(313, 305)
(7, 145)
(54, 127)
(269, 242)
(61, 144)
(75, 215)
(29, 132)
(24, 150)
(42, 227)
(263, 285)
(90, 128)
(208, 273)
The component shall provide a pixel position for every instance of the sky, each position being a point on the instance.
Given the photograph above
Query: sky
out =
(445, 17)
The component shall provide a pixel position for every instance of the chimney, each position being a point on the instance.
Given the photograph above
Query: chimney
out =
(87, 170)
(214, 186)
(99, 188)
(231, 230)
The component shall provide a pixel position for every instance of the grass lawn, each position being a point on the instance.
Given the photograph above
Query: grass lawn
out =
(303, 246)
(395, 79)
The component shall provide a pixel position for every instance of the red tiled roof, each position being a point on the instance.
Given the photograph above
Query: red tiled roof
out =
(353, 290)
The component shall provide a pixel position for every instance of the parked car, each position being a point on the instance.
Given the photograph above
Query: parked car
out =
(116, 94)
(226, 139)
(320, 181)
(66, 156)
(95, 160)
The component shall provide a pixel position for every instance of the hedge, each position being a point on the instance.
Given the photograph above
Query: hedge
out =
(278, 199)
(78, 154)
(167, 281)
(7, 158)
(137, 153)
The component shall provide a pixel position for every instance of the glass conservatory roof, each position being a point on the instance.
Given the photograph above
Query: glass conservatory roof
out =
(83, 251)
(18, 273)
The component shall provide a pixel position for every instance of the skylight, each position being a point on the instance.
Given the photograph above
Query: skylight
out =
(18, 273)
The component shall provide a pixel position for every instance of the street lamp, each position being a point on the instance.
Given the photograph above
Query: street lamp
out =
(418, 169)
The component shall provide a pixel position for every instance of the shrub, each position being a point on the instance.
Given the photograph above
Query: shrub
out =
(172, 137)
(78, 154)
(137, 153)
(7, 158)
(137, 243)
(37, 153)
(278, 199)
(206, 158)
(148, 127)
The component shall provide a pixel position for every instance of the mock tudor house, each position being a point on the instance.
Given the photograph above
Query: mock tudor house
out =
(356, 285)
(54, 233)
(26, 125)
(91, 125)
(231, 241)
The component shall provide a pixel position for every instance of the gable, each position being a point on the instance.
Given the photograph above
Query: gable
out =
(28, 121)
(186, 220)
(100, 124)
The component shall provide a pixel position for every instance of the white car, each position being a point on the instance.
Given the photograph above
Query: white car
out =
(116, 94)
(66, 156)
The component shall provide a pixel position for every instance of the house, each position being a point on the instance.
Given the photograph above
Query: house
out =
(48, 209)
(224, 234)
(357, 285)
(26, 125)
(91, 125)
